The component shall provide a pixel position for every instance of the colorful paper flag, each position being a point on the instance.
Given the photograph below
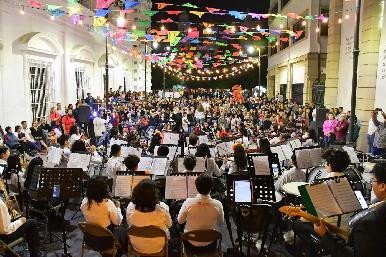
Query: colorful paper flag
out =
(160, 6)
(99, 21)
(102, 12)
(173, 12)
(130, 4)
(199, 14)
(190, 5)
(101, 4)
(35, 4)
(150, 13)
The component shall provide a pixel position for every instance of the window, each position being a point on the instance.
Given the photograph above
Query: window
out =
(284, 3)
(273, 48)
(135, 79)
(284, 41)
(324, 25)
(299, 30)
(135, 62)
(135, 71)
(82, 83)
(38, 80)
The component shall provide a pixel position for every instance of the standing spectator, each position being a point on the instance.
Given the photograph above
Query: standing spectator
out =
(371, 132)
(59, 109)
(380, 135)
(342, 129)
(68, 121)
(54, 117)
(329, 131)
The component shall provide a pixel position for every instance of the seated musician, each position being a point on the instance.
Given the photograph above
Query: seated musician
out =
(193, 140)
(211, 165)
(367, 228)
(98, 209)
(131, 162)
(190, 162)
(240, 163)
(201, 212)
(65, 145)
(15, 174)
(292, 175)
(163, 151)
(114, 164)
(337, 162)
(146, 210)
(13, 230)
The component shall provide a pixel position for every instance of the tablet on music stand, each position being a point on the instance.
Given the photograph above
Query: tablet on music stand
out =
(243, 191)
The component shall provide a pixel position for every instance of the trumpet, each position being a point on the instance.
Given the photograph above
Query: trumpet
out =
(11, 202)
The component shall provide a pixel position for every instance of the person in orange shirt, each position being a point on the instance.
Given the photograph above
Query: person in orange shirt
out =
(68, 121)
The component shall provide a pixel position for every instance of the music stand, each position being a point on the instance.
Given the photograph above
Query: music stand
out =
(71, 186)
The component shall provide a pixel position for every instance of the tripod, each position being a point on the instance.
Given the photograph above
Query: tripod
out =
(61, 184)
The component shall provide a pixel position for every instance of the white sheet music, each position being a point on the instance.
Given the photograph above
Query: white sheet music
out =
(279, 151)
(261, 164)
(222, 149)
(203, 139)
(54, 155)
(200, 164)
(352, 154)
(171, 138)
(159, 166)
(145, 163)
(78, 160)
(213, 151)
(192, 150)
(323, 200)
(126, 150)
(287, 151)
(303, 158)
(180, 164)
(344, 195)
(136, 180)
(316, 156)
(297, 143)
(123, 186)
(191, 184)
(242, 191)
(230, 147)
(175, 187)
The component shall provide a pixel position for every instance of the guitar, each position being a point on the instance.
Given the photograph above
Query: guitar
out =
(296, 211)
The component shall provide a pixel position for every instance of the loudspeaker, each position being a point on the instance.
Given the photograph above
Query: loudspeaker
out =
(321, 115)
(84, 113)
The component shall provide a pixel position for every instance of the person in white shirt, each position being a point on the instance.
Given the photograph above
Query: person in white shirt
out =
(211, 165)
(114, 164)
(292, 175)
(371, 131)
(15, 175)
(146, 210)
(74, 134)
(98, 209)
(201, 212)
(99, 126)
(4, 154)
(190, 162)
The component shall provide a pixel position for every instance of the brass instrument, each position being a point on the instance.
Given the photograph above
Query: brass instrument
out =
(12, 204)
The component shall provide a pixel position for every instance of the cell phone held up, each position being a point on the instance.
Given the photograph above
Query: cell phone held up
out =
(56, 191)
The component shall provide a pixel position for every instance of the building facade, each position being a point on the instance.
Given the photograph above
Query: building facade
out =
(371, 88)
(297, 64)
(45, 60)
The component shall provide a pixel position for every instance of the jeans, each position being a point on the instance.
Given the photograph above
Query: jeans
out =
(378, 151)
(370, 141)
(30, 231)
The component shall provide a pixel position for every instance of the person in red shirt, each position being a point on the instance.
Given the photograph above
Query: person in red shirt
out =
(68, 121)
(54, 117)
(342, 129)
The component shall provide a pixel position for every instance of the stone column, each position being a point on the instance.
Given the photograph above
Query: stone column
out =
(368, 64)
(333, 56)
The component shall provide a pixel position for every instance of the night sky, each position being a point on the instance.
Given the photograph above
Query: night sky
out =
(246, 79)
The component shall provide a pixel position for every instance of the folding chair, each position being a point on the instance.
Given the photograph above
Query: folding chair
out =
(253, 219)
(8, 247)
(98, 239)
(147, 233)
(207, 235)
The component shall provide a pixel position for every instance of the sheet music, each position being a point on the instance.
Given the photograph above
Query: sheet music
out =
(316, 156)
(323, 200)
(242, 191)
(159, 166)
(126, 150)
(213, 151)
(261, 164)
(175, 187)
(180, 164)
(352, 154)
(191, 184)
(279, 151)
(222, 149)
(200, 164)
(303, 158)
(78, 160)
(192, 151)
(344, 195)
(136, 180)
(145, 163)
(287, 151)
(171, 138)
(203, 139)
(123, 186)
(297, 143)
(230, 147)
(54, 155)
(292, 144)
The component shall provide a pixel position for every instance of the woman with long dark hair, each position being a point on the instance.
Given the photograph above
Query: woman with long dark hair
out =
(146, 210)
(211, 165)
(239, 163)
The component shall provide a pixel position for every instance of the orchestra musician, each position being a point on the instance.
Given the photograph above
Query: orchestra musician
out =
(240, 163)
(114, 164)
(190, 162)
(367, 228)
(211, 165)
(131, 162)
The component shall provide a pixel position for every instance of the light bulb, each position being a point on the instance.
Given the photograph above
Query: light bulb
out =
(134, 27)
(258, 27)
(347, 16)
(52, 17)
(325, 20)
(80, 22)
(208, 30)
(22, 12)
(317, 30)
(233, 29)
(155, 45)
(121, 21)
(162, 27)
(189, 30)
(251, 49)
(281, 26)
(304, 23)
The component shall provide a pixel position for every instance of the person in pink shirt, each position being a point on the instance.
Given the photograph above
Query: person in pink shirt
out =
(329, 129)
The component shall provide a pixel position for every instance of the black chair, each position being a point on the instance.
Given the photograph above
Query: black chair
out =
(207, 235)
(253, 219)
(4, 247)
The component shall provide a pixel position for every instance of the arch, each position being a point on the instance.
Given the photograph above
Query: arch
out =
(37, 43)
(82, 53)
(113, 60)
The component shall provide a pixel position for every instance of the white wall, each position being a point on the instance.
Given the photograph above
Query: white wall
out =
(346, 56)
(380, 93)
(15, 100)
